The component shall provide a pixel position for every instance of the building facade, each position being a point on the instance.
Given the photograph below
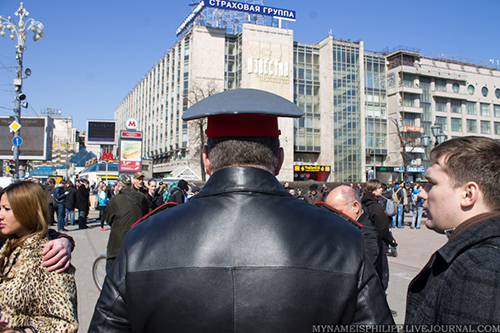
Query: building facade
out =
(366, 114)
(460, 98)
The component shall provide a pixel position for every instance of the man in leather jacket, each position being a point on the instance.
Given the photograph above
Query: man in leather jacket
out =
(243, 255)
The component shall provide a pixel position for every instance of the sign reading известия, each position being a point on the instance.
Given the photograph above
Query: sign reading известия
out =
(251, 8)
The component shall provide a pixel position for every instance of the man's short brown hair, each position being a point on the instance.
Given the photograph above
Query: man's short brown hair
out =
(472, 158)
(243, 151)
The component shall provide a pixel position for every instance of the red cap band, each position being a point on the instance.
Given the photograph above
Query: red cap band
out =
(242, 125)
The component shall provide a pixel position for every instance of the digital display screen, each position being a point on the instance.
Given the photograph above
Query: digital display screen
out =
(101, 132)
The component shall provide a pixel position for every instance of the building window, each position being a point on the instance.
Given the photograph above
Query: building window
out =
(409, 100)
(455, 106)
(443, 122)
(471, 126)
(306, 94)
(471, 89)
(471, 108)
(408, 80)
(484, 91)
(485, 127)
(440, 85)
(456, 88)
(456, 124)
(497, 127)
(409, 119)
(497, 93)
(496, 111)
(485, 110)
(440, 104)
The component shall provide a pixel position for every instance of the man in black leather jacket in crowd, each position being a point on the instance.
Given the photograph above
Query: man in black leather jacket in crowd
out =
(243, 255)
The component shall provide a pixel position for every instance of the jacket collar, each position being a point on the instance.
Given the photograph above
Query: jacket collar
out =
(475, 234)
(242, 179)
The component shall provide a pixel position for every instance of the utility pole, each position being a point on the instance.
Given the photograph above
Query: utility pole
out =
(19, 30)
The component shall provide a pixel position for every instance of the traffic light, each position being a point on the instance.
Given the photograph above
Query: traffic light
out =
(11, 166)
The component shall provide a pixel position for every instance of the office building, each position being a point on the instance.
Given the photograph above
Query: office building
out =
(357, 104)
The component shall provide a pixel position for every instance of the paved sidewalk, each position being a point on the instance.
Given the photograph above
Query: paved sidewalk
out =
(415, 248)
(90, 243)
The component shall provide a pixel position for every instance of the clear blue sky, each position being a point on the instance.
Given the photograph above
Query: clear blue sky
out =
(95, 52)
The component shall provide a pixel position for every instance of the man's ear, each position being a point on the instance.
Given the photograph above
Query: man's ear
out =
(281, 158)
(356, 207)
(206, 161)
(471, 193)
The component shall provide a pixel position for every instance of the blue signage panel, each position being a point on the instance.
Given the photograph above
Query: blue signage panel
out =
(17, 141)
(252, 8)
(416, 169)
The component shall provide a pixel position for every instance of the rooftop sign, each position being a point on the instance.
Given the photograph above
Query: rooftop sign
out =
(252, 8)
(237, 6)
(190, 18)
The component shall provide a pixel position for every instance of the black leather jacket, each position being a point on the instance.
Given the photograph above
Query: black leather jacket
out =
(241, 256)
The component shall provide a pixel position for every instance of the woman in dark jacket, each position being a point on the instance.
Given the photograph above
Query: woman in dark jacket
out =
(373, 190)
(83, 203)
(70, 202)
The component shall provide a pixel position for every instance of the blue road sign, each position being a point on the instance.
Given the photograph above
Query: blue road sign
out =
(17, 141)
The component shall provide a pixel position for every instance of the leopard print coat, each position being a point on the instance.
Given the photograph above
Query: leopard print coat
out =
(34, 296)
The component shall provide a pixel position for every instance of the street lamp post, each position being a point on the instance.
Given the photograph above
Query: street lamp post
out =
(404, 143)
(20, 30)
(438, 134)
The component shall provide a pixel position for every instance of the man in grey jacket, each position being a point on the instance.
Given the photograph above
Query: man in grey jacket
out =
(243, 255)
(459, 284)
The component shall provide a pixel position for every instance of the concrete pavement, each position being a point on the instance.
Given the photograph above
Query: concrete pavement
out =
(415, 248)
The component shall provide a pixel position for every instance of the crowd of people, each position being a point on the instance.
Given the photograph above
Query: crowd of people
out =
(246, 253)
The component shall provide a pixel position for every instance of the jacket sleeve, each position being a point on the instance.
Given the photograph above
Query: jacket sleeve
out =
(59, 194)
(52, 234)
(469, 288)
(110, 314)
(145, 206)
(53, 300)
(109, 216)
(371, 303)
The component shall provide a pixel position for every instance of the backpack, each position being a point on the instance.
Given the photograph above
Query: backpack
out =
(414, 199)
(168, 193)
(390, 208)
(395, 196)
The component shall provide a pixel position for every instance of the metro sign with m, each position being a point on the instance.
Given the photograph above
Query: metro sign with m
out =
(131, 124)
(107, 156)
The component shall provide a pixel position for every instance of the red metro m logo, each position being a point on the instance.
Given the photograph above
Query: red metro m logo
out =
(131, 123)
(107, 156)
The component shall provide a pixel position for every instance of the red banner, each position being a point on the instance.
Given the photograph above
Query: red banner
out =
(413, 129)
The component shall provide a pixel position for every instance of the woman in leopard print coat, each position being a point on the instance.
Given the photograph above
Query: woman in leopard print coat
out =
(31, 298)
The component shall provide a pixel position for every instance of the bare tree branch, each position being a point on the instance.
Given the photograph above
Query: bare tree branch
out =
(198, 126)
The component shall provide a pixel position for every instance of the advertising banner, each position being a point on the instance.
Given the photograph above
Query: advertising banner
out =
(35, 138)
(101, 132)
(130, 151)
(312, 168)
(252, 8)
(284, 14)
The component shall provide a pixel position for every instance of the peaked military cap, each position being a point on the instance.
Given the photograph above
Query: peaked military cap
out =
(243, 112)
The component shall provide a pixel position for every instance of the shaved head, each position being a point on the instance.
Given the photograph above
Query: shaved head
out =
(345, 199)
